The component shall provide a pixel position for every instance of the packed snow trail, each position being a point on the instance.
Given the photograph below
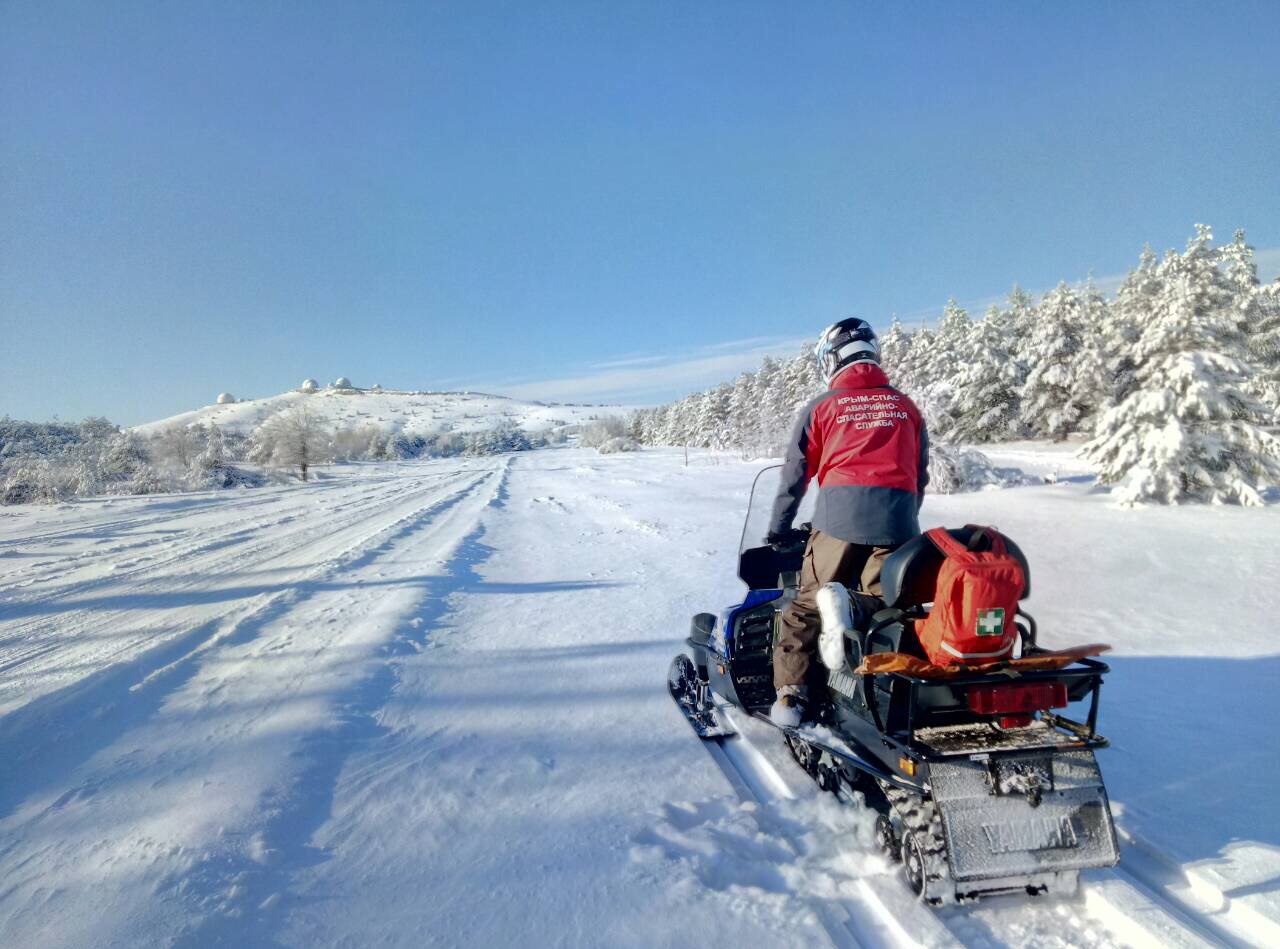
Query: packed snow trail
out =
(425, 704)
(528, 744)
(167, 727)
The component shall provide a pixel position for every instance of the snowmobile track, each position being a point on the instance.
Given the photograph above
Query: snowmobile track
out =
(1125, 906)
(869, 919)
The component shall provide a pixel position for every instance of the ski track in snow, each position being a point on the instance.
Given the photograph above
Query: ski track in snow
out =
(1112, 908)
(425, 704)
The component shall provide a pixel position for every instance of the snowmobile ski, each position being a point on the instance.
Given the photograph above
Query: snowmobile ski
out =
(695, 701)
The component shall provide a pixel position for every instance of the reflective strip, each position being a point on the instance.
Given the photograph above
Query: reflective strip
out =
(857, 346)
(973, 655)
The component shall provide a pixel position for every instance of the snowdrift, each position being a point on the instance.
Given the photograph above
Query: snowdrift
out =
(954, 470)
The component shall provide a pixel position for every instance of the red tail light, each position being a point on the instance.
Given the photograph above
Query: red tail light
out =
(1015, 721)
(1017, 700)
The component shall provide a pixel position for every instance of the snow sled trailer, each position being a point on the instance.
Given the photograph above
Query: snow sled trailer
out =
(981, 785)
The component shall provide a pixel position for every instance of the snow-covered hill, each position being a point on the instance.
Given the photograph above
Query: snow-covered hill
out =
(395, 410)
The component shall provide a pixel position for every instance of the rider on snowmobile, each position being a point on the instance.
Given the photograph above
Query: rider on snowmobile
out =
(866, 444)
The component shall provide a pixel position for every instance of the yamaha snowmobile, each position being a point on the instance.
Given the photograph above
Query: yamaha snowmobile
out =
(981, 785)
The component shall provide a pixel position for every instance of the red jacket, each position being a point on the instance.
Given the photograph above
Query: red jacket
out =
(867, 445)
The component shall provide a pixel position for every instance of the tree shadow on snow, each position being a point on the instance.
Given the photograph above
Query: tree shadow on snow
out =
(177, 599)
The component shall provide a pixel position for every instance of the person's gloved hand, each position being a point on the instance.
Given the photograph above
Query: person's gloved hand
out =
(790, 537)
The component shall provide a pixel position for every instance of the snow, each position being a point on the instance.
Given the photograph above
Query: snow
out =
(615, 445)
(954, 470)
(423, 703)
(395, 410)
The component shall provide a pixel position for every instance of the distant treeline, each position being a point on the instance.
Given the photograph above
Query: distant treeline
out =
(1175, 381)
(57, 461)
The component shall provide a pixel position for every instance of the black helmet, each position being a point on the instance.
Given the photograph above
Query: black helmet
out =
(844, 343)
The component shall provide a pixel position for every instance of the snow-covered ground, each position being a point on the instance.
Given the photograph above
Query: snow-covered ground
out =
(425, 704)
(409, 413)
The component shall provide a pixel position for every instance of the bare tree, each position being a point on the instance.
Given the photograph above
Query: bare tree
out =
(294, 438)
(177, 445)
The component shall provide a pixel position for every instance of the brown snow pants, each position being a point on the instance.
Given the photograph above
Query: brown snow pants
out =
(826, 560)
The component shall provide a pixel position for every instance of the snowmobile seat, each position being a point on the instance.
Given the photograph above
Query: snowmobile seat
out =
(893, 635)
(910, 574)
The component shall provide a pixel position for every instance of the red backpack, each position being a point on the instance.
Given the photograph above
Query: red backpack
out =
(975, 601)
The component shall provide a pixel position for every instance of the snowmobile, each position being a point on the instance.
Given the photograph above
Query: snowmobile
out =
(980, 784)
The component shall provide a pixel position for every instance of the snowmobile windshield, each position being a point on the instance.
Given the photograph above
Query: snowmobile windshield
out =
(764, 491)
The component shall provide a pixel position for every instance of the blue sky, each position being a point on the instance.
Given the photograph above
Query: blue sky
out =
(583, 201)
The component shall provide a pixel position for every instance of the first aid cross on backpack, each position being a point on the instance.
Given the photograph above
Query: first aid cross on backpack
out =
(991, 622)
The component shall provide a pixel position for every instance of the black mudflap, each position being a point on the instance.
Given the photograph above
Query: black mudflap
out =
(1023, 816)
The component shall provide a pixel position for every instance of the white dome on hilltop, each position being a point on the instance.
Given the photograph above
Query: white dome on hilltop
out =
(309, 385)
(226, 398)
(342, 382)
(377, 387)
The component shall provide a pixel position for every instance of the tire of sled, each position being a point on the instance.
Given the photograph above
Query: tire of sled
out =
(913, 866)
(887, 839)
(681, 677)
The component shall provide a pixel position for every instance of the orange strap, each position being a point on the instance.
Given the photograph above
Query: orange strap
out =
(949, 546)
(1049, 660)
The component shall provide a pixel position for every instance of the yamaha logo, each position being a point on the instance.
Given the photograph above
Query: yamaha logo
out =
(1050, 833)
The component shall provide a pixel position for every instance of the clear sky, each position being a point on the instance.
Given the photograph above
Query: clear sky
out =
(582, 201)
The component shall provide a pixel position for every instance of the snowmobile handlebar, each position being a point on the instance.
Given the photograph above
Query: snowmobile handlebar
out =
(789, 541)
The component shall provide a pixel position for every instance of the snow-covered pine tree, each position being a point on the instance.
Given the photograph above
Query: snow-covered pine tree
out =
(774, 410)
(1264, 347)
(986, 403)
(1119, 333)
(1239, 268)
(996, 320)
(711, 427)
(940, 367)
(800, 382)
(1018, 319)
(209, 467)
(682, 423)
(894, 347)
(1014, 321)
(950, 348)
(1259, 314)
(652, 424)
(1189, 430)
(911, 375)
(640, 425)
(1057, 392)
(1092, 379)
(675, 431)
(743, 428)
